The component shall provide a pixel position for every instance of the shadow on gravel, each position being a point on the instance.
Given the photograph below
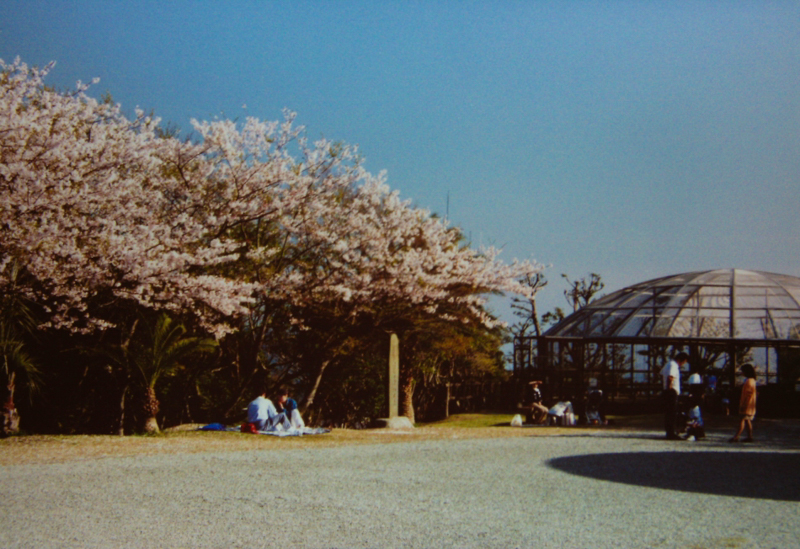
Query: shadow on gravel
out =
(764, 442)
(762, 475)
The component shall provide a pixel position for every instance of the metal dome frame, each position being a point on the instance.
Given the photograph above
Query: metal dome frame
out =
(722, 318)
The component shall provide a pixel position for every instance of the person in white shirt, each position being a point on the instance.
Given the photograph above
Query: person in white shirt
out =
(671, 377)
(261, 412)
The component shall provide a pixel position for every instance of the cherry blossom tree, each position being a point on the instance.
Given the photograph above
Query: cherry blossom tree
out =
(250, 228)
(95, 212)
(92, 210)
(327, 243)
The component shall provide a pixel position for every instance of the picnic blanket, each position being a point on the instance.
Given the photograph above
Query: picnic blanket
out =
(274, 431)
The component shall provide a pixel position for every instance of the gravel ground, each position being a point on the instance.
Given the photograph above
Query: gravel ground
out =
(595, 489)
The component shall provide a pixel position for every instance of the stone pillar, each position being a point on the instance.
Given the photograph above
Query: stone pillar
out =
(394, 419)
(393, 396)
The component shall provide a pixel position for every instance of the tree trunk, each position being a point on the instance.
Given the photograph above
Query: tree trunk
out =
(10, 416)
(309, 400)
(407, 394)
(535, 317)
(151, 409)
(151, 426)
(121, 427)
(127, 367)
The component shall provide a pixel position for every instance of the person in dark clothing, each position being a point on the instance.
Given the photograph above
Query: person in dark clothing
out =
(288, 407)
(593, 404)
(537, 412)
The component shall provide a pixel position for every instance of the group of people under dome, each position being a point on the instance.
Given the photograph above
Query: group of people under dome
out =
(670, 375)
(683, 418)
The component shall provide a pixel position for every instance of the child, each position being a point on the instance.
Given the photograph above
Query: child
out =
(747, 404)
(694, 417)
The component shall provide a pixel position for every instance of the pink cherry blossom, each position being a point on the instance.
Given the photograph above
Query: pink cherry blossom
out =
(100, 208)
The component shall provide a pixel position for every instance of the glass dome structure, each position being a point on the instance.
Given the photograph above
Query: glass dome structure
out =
(719, 304)
(722, 318)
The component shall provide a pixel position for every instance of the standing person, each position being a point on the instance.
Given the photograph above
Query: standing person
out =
(747, 404)
(288, 407)
(671, 377)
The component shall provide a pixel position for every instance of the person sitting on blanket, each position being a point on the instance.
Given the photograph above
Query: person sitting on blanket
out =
(288, 407)
(261, 412)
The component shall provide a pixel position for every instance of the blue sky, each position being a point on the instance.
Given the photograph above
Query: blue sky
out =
(631, 139)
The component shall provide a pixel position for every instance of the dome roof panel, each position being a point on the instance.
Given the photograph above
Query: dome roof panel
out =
(696, 304)
(713, 278)
(794, 293)
(751, 278)
(751, 328)
(636, 325)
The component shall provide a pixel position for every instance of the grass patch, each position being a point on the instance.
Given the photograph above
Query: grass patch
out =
(185, 439)
(471, 421)
(26, 449)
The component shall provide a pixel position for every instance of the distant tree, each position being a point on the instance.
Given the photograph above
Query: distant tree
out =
(582, 290)
(525, 308)
(440, 353)
(553, 317)
(580, 293)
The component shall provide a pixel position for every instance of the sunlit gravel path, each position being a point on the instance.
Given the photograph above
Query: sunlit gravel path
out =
(596, 490)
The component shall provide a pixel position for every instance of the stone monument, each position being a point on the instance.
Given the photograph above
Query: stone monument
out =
(394, 419)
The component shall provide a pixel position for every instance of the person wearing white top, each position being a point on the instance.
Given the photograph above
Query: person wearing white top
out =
(262, 413)
(671, 378)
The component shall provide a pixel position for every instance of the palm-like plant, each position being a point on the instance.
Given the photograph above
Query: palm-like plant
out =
(13, 361)
(163, 356)
(16, 319)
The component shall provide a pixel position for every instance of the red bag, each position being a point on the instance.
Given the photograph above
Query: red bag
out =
(249, 428)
